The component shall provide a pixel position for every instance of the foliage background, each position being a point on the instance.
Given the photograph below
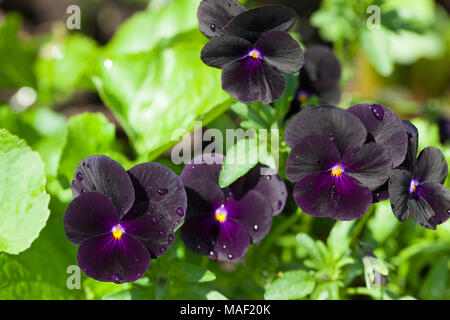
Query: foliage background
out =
(132, 75)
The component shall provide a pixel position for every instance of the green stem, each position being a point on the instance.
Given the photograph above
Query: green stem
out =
(360, 225)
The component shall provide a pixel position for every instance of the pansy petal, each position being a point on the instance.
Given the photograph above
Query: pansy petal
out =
(371, 165)
(399, 183)
(421, 211)
(253, 23)
(160, 188)
(106, 176)
(268, 183)
(222, 50)
(213, 15)
(89, 215)
(280, 50)
(232, 242)
(413, 143)
(431, 166)
(106, 259)
(323, 195)
(438, 197)
(385, 127)
(344, 129)
(331, 96)
(250, 80)
(201, 176)
(312, 154)
(444, 130)
(322, 68)
(200, 233)
(154, 230)
(253, 212)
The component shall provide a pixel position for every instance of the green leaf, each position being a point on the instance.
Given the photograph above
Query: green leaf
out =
(283, 104)
(41, 271)
(239, 160)
(327, 291)
(215, 295)
(291, 286)
(87, 134)
(383, 223)
(16, 55)
(376, 46)
(158, 95)
(436, 282)
(339, 238)
(145, 29)
(187, 272)
(64, 65)
(313, 250)
(23, 200)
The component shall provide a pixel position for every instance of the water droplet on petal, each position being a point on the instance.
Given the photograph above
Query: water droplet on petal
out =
(154, 220)
(163, 191)
(83, 191)
(162, 234)
(108, 179)
(230, 257)
(180, 212)
(224, 246)
(170, 238)
(255, 227)
(378, 111)
(80, 176)
(160, 217)
(279, 204)
(162, 249)
(268, 177)
(212, 255)
(213, 27)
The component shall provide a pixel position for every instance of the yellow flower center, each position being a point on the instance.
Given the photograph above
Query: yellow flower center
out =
(117, 232)
(221, 214)
(336, 171)
(303, 98)
(255, 54)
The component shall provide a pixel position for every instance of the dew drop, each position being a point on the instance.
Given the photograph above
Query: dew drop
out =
(160, 217)
(162, 249)
(80, 176)
(377, 111)
(198, 247)
(255, 227)
(213, 27)
(108, 179)
(268, 177)
(180, 212)
(163, 191)
(154, 220)
(224, 246)
(170, 238)
(212, 255)
(83, 191)
(162, 234)
(230, 257)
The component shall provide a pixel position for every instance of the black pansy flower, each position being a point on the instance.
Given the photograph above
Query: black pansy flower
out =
(222, 222)
(254, 50)
(416, 188)
(319, 76)
(383, 127)
(334, 169)
(119, 219)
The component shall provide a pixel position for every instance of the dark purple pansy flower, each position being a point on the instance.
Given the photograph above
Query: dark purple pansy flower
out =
(222, 222)
(383, 127)
(320, 76)
(416, 188)
(334, 169)
(119, 219)
(254, 51)
(444, 130)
